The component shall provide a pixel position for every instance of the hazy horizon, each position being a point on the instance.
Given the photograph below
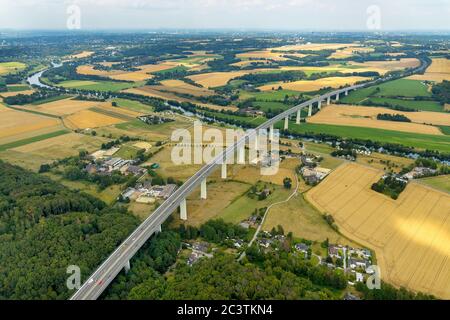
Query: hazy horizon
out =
(237, 15)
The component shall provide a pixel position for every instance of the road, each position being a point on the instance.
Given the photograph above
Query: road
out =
(108, 270)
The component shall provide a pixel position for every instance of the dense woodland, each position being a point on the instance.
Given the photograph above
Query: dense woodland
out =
(44, 228)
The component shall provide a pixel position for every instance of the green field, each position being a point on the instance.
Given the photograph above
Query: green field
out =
(439, 182)
(18, 87)
(419, 141)
(99, 85)
(445, 130)
(403, 87)
(11, 67)
(127, 152)
(51, 99)
(23, 142)
(174, 69)
(133, 105)
(418, 105)
(275, 95)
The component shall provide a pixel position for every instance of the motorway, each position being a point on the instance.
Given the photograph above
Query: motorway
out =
(108, 270)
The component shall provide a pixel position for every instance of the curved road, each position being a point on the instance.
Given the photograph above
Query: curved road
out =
(108, 270)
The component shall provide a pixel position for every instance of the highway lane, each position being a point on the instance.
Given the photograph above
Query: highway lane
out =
(108, 270)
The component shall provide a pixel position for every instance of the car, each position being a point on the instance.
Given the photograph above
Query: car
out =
(100, 283)
(90, 280)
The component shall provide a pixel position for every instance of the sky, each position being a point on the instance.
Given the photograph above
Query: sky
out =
(299, 15)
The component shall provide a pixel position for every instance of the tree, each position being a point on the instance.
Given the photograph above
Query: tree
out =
(287, 183)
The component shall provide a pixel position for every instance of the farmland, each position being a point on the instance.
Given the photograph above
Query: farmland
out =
(410, 235)
(314, 85)
(90, 119)
(11, 67)
(420, 141)
(367, 117)
(96, 85)
(438, 71)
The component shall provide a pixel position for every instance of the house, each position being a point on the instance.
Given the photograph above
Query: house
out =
(302, 247)
(238, 243)
(134, 170)
(358, 263)
(333, 251)
(349, 296)
(359, 277)
(265, 243)
(193, 258)
(244, 225)
(162, 191)
(91, 168)
(200, 246)
(307, 161)
(128, 193)
(418, 172)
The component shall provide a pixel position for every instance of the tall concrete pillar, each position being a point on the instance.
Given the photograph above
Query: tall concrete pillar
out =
(310, 110)
(337, 97)
(297, 120)
(286, 123)
(319, 105)
(346, 92)
(203, 189)
(271, 133)
(224, 170)
(328, 100)
(127, 266)
(241, 153)
(183, 210)
(159, 229)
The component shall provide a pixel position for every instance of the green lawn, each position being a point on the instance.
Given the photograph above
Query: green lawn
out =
(99, 85)
(439, 182)
(127, 152)
(420, 141)
(23, 142)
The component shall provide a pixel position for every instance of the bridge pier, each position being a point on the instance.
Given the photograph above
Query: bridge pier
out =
(127, 266)
(319, 105)
(310, 110)
(286, 123)
(297, 120)
(203, 189)
(337, 96)
(224, 170)
(183, 210)
(328, 100)
(271, 132)
(346, 92)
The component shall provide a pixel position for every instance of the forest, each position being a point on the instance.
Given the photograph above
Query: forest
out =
(45, 227)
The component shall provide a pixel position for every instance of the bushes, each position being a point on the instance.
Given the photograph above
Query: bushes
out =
(393, 117)
(390, 186)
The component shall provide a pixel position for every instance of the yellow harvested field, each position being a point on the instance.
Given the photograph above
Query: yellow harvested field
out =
(16, 125)
(438, 71)
(15, 93)
(83, 54)
(410, 235)
(64, 107)
(89, 119)
(313, 85)
(216, 79)
(383, 67)
(11, 67)
(316, 46)
(61, 146)
(367, 117)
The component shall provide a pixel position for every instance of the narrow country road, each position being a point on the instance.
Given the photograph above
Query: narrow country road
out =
(255, 236)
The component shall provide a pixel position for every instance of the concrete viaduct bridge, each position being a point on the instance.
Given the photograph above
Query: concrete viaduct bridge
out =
(120, 258)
